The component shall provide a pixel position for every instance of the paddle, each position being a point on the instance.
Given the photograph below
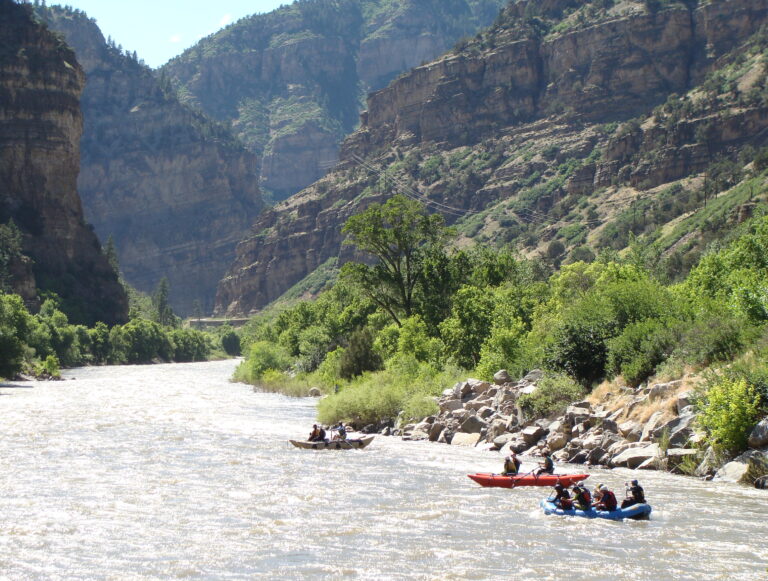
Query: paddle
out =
(514, 482)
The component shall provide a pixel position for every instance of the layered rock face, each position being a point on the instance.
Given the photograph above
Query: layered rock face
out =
(291, 82)
(616, 69)
(175, 191)
(40, 129)
(523, 102)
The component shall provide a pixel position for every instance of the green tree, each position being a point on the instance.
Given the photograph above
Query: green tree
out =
(160, 300)
(15, 324)
(397, 235)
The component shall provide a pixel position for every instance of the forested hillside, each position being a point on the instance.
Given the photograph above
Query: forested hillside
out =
(292, 82)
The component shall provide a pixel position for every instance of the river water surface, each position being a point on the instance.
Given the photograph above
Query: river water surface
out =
(173, 472)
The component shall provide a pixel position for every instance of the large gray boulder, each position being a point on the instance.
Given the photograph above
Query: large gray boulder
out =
(680, 429)
(501, 377)
(662, 390)
(630, 430)
(533, 434)
(449, 405)
(745, 468)
(650, 426)
(473, 425)
(758, 438)
(578, 413)
(633, 457)
(464, 439)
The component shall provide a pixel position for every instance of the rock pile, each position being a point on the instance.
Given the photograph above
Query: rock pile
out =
(479, 413)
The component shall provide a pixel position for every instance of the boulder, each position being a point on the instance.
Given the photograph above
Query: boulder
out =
(662, 390)
(460, 415)
(650, 426)
(684, 399)
(679, 429)
(578, 413)
(485, 413)
(446, 436)
(473, 425)
(556, 440)
(477, 386)
(533, 376)
(592, 441)
(655, 463)
(630, 430)
(465, 439)
(745, 468)
(633, 457)
(464, 389)
(315, 392)
(501, 377)
(758, 438)
(500, 441)
(528, 389)
(450, 405)
(609, 426)
(533, 434)
(435, 430)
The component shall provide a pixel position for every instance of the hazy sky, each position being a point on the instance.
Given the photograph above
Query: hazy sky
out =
(158, 30)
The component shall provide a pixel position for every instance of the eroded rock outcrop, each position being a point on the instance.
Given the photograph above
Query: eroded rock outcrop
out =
(40, 129)
(175, 192)
(524, 102)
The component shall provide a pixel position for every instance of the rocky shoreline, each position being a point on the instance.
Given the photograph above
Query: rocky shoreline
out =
(608, 429)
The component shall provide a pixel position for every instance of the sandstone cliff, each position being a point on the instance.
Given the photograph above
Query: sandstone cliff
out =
(174, 190)
(40, 128)
(291, 82)
(539, 132)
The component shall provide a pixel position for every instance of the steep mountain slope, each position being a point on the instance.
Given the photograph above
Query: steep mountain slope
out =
(291, 82)
(174, 190)
(40, 128)
(547, 132)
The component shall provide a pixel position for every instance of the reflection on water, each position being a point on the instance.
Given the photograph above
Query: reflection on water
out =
(170, 471)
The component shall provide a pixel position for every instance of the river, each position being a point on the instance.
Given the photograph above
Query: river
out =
(173, 472)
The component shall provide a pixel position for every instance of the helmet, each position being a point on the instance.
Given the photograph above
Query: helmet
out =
(558, 486)
(603, 487)
(634, 483)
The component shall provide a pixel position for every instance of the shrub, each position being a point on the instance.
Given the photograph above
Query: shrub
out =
(729, 410)
(553, 395)
(263, 355)
(360, 356)
(640, 348)
(230, 342)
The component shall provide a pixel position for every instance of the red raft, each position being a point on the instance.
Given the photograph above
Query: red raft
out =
(486, 479)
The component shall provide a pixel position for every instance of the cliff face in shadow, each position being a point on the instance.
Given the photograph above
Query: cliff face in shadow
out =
(538, 133)
(175, 190)
(291, 82)
(40, 129)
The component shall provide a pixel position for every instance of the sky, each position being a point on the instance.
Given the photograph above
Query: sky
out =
(158, 30)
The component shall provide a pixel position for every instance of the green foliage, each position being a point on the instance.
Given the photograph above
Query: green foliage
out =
(263, 356)
(230, 341)
(729, 410)
(140, 341)
(15, 325)
(405, 383)
(397, 234)
(359, 356)
(640, 348)
(189, 345)
(50, 367)
(468, 326)
(553, 394)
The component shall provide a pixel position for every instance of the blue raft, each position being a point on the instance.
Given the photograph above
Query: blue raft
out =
(636, 511)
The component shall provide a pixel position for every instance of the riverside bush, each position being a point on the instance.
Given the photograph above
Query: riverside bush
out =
(729, 410)
(640, 348)
(552, 396)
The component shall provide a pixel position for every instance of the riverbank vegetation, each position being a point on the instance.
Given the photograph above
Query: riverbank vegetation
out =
(40, 344)
(395, 331)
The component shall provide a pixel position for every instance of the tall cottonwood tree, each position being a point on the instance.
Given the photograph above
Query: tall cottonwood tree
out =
(398, 235)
